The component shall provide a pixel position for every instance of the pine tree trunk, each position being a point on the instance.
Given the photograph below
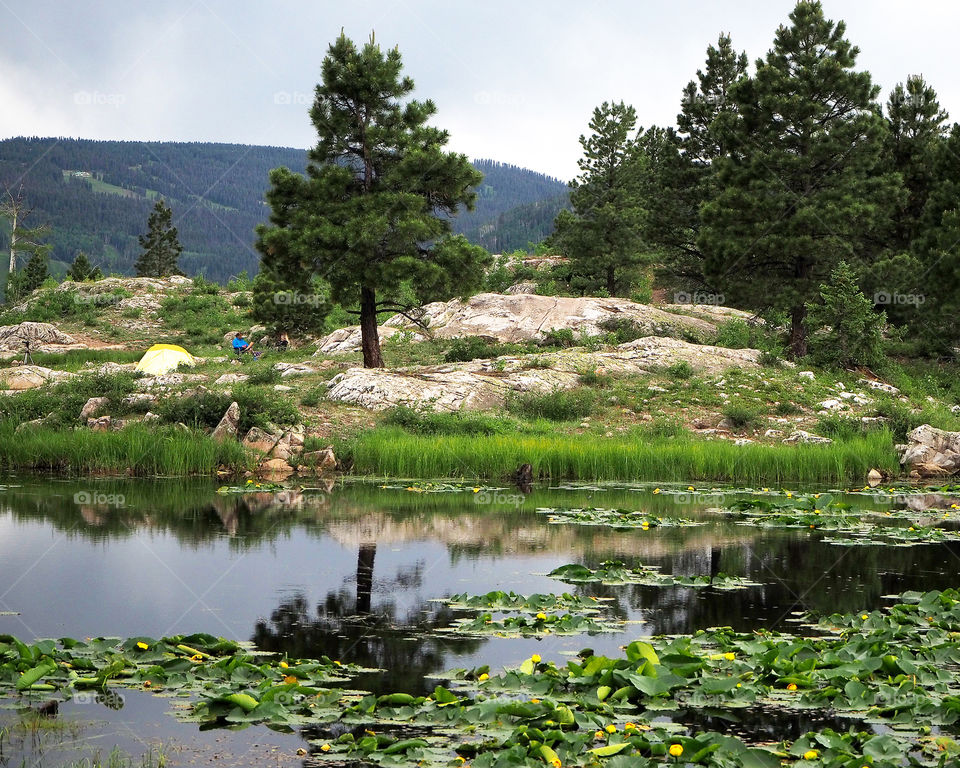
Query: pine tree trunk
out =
(798, 332)
(369, 335)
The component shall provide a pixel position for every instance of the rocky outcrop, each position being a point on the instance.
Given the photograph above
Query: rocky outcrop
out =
(524, 317)
(293, 369)
(485, 384)
(43, 337)
(30, 376)
(92, 406)
(931, 452)
(227, 428)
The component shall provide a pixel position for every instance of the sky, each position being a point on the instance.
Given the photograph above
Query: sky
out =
(513, 81)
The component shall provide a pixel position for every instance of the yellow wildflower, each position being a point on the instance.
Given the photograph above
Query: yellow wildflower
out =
(535, 658)
(792, 687)
(729, 656)
(142, 646)
(676, 750)
(611, 728)
(811, 754)
(542, 616)
(325, 748)
(483, 677)
(283, 665)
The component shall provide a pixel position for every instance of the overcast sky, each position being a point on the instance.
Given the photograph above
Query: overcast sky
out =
(513, 81)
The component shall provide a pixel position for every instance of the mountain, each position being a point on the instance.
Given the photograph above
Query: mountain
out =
(95, 196)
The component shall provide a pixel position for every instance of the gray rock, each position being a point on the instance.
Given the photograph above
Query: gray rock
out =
(830, 405)
(799, 436)
(879, 386)
(227, 428)
(93, 405)
(24, 377)
(231, 378)
(100, 424)
(43, 337)
(260, 440)
(806, 375)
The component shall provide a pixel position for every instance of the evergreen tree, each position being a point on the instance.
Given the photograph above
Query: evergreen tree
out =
(371, 217)
(844, 329)
(290, 303)
(81, 269)
(803, 185)
(603, 234)
(681, 173)
(161, 247)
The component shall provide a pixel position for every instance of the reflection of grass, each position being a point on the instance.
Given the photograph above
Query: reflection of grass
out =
(391, 452)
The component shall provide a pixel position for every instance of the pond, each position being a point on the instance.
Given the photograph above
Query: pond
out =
(354, 571)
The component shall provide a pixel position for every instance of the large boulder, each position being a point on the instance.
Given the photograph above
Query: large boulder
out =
(931, 452)
(30, 376)
(43, 337)
(525, 317)
(228, 426)
(485, 384)
(91, 407)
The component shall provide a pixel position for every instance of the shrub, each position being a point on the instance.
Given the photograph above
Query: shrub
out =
(60, 404)
(681, 370)
(558, 337)
(623, 329)
(786, 408)
(472, 348)
(742, 416)
(424, 422)
(558, 405)
(263, 373)
(258, 408)
(839, 427)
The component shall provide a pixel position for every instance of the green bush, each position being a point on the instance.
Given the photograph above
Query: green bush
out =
(559, 405)
(60, 404)
(263, 373)
(839, 427)
(469, 348)
(742, 416)
(441, 423)
(623, 329)
(558, 337)
(258, 408)
(681, 371)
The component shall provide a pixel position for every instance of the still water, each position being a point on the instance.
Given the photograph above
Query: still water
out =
(353, 570)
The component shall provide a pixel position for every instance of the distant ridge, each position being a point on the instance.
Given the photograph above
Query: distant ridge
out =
(96, 195)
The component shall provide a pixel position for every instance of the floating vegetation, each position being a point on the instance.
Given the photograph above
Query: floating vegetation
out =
(252, 486)
(614, 518)
(541, 624)
(511, 601)
(615, 573)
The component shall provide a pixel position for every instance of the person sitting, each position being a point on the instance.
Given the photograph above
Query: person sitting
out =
(241, 345)
(283, 341)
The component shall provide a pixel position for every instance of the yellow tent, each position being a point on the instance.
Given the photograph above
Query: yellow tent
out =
(163, 358)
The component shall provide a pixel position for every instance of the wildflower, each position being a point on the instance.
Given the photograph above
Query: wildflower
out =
(289, 679)
(676, 750)
(542, 616)
(142, 646)
(739, 685)
(792, 687)
(629, 727)
(611, 728)
(283, 665)
(811, 754)
(325, 748)
(483, 677)
(598, 735)
(729, 656)
(535, 658)
(864, 617)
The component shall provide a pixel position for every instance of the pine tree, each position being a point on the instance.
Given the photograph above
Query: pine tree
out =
(845, 331)
(81, 269)
(161, 248)
(603, 234)
(803, 186)
(371, 216)
(681, 174)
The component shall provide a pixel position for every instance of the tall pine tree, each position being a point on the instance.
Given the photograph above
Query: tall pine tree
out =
(803, 185)
(81, 269)
(681, 173)
(603, 234)
(371, 216)
(161, 247)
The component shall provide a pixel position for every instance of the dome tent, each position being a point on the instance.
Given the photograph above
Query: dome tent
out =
(163, 358)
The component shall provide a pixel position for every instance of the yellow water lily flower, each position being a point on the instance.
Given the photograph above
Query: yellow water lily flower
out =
(325, 748)
(289, 679)
(656, 490)
(611, 728)
(676, 750)
(792, 687)
(556, 762)
(598, 735)
(729, 656)
(283, 665)
(629, 727)
(542, 616)
(535, 658)
(534, 701)
(483, 677)
(142, 646)
(864, 617)
(811, 754)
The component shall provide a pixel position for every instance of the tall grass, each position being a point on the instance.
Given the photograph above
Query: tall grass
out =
(392, 452)
(135, 450)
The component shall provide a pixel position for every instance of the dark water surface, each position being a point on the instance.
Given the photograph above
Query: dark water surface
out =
(351, 571)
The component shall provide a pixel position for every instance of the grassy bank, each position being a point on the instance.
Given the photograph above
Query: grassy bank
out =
(135, 450)
(392, 452)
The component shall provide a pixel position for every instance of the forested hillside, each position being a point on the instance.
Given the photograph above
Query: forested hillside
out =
(95, 197)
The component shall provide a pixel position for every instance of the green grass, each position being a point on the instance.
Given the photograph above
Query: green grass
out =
(391, 452)
(135, 450)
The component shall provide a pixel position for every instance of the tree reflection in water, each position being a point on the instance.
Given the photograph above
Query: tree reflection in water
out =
(346, 626)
